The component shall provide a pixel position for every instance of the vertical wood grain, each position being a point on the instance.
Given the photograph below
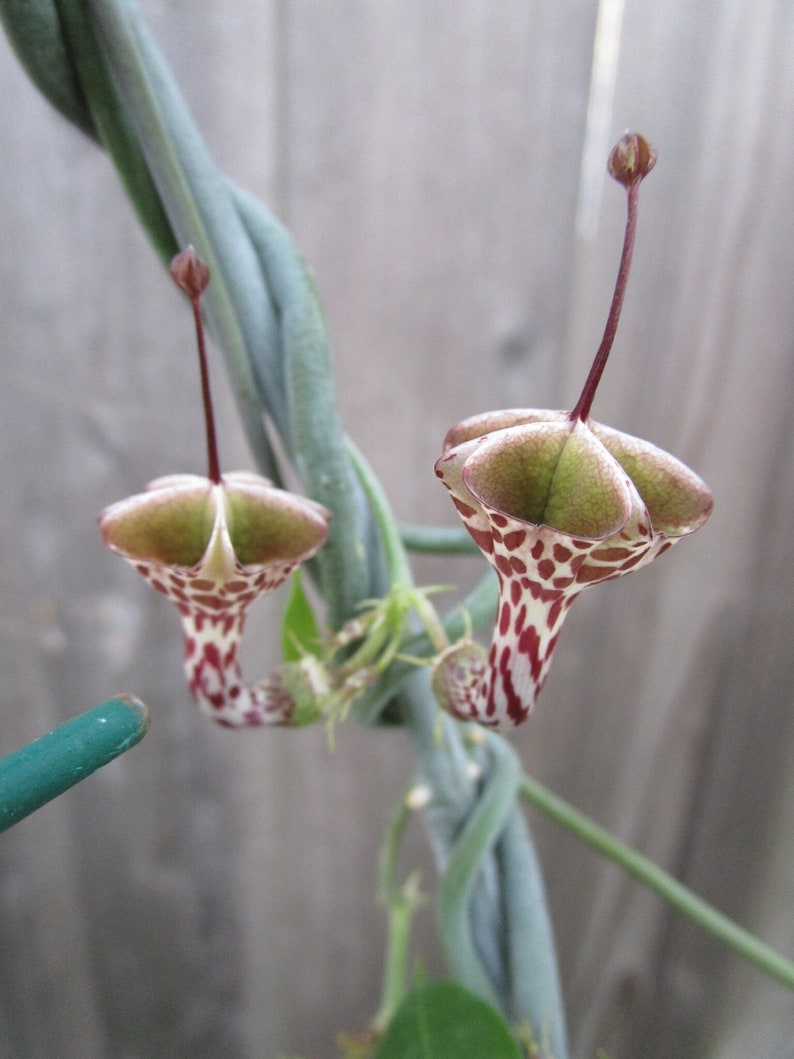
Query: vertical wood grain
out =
(696, 651)
(212, 894)
(119, 899)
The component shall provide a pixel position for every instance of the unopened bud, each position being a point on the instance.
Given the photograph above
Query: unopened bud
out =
(190, 273)
(631, 159)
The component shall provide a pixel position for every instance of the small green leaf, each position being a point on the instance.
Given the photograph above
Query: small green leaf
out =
(299, 633)
(442, 1020)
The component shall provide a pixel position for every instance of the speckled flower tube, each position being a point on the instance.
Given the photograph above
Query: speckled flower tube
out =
(556, 502)
(213, 548)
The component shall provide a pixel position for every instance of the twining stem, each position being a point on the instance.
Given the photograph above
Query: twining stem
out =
(678, 896)
(476, 838)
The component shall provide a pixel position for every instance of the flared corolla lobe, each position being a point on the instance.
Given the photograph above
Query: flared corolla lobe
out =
(555, 505)
(212, 549)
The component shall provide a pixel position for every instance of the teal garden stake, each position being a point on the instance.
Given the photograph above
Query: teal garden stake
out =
(52, 764)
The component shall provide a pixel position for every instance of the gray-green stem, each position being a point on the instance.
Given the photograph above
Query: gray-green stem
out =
(493, 914)
(675, 893)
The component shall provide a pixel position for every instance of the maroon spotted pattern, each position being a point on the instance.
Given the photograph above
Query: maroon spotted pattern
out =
(213, 596)
(213, 617)
(540, 571)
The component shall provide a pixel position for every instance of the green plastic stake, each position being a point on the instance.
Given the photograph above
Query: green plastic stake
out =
(52, 764)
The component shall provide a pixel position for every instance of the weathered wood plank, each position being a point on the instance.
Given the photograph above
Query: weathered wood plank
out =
(678, 356)
(213, 895)
(119, 925)
(693, 657)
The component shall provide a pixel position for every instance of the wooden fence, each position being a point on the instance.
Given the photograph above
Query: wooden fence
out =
(442, 165)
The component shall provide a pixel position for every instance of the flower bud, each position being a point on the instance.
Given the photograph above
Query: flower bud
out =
(632, 158)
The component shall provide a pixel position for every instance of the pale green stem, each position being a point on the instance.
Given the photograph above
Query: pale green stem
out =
(469, 925)
(430, 618)
(469, 916)
(395, 967)
(396, 560)
(532, 987)
(477, 838)
(437, 540)
(534, 982)
(678, 896)
(388, 889)
(400, 908)
(350, 563)
(445, 759)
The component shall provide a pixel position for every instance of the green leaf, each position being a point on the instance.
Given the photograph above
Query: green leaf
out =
(299, 632)
(442, 1020)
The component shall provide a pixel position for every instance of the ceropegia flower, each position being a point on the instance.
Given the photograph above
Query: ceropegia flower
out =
(212, 546)
(556, 502)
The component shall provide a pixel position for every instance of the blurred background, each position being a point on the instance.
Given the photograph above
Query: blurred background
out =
(443, 167)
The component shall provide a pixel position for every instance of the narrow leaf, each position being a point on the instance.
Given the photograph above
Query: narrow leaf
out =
(299, 632)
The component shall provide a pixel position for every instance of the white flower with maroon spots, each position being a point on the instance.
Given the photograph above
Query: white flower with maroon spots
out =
(212, 546)
(556, 502)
